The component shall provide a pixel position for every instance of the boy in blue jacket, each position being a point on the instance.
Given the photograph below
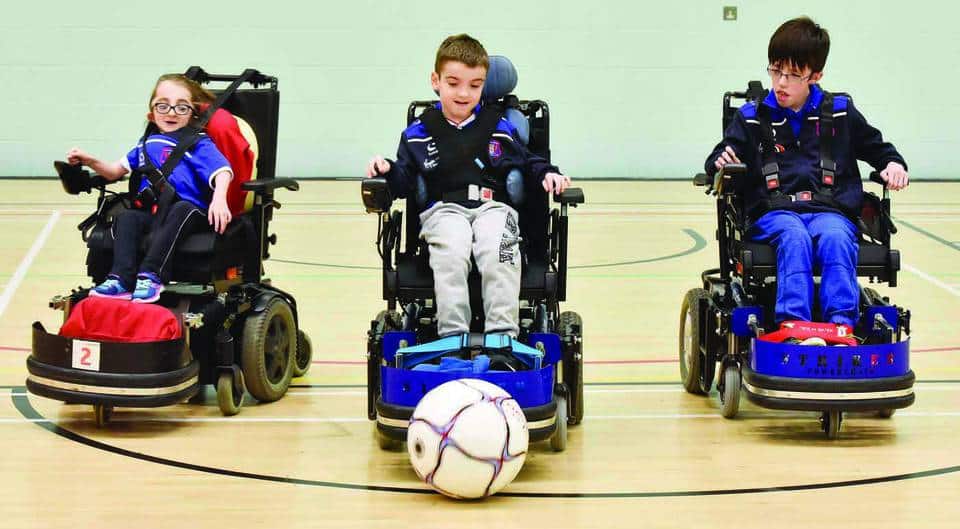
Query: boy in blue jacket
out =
(464, 150)
(801, 145)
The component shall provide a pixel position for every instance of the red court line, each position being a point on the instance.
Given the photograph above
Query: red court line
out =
(652, 361)
(18, 349)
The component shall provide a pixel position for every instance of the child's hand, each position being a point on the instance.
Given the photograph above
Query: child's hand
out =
(219, 214)
(555, 182)
(77, 156)
(378, 166)
(727, 156)
(895, 175)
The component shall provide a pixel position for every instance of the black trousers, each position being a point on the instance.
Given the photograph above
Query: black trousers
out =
(129, 228)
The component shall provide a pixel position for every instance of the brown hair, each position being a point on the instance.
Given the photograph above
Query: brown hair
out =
(462, 48)
(800, 42)
(198, 94)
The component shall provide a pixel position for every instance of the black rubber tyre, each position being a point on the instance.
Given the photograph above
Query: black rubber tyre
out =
(886, 414)
(571, 328)
(691, 361)
(269, 351)
(558, 442)
(730, 397)
(384, 442)
(102, 414)
(229, 396)
(304, 354)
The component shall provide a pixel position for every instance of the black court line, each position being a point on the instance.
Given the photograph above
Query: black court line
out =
(628, 383)
(22, 404)
(699, 243)
(931, 235)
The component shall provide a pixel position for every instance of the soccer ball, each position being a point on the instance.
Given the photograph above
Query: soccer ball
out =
(467, 438)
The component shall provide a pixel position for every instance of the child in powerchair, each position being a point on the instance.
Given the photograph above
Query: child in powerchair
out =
(468, 207)
(795, 198)
(200, 181)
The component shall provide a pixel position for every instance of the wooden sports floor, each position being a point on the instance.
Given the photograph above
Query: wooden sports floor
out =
(646, 455)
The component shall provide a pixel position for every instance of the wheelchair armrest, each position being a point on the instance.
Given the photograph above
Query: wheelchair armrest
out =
(571, 196)
(268, 186)
(875, 177)
(726, 174)
(376, 195)
(702, 179)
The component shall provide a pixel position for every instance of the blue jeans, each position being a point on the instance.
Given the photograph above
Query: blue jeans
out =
(802, 240)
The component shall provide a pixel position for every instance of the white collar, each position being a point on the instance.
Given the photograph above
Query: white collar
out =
(465, 122)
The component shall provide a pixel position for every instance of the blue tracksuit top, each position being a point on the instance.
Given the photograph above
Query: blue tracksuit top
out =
(417, 154)
(798, 144)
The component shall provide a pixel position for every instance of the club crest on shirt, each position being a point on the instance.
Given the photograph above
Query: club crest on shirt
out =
(494, 149)
(164, 154)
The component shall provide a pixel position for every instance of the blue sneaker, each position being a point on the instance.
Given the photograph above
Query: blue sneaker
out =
(110, 288)
(148, 288)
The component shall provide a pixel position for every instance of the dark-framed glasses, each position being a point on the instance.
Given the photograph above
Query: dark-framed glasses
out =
(181, 109)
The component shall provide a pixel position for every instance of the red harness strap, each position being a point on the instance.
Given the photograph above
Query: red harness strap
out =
(831, 333)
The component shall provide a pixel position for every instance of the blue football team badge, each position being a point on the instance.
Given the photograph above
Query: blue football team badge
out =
(495, 150)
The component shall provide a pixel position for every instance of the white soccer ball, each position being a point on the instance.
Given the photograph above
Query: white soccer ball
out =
(467, 438)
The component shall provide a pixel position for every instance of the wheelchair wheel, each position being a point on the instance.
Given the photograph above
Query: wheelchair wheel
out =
(558, 442)
(304, 354)
(571, 334)
(269, 351)
(886, 414)
(384, 442)
(229, 395)
(730, 396)
(102, 414)
(691, 361)
(830, 423)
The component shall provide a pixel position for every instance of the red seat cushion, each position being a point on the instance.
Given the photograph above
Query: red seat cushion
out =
(227, 134)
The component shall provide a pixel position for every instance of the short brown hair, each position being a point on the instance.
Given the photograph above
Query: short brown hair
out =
(462, 48)
(198, 94)
(801, 42)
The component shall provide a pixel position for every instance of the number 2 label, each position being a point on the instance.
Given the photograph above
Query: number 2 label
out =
(86, 355)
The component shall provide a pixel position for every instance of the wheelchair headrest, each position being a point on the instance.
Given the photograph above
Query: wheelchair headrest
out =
(501, 78)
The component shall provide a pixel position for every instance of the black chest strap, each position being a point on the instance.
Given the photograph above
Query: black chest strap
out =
(463, 158)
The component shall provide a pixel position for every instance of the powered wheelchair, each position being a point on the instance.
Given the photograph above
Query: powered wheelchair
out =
(543, 368)
(722, 321)
(236, 329)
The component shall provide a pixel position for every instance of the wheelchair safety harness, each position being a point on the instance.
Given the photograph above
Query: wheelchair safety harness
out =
(158, 196)
(462, 174)
(823, 194)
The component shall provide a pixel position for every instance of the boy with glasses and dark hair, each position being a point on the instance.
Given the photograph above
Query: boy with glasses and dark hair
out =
(802, 187)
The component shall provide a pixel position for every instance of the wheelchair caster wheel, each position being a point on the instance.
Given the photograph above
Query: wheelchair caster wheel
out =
(830, 423)
(886, 414)
(730, 396)
(102, 414)
(304, 354)
(229, 395)
(384, 442)
(558, 442)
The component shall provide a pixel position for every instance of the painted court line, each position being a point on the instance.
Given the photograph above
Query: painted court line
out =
(283, 420)
(929, 278)
(21, 272)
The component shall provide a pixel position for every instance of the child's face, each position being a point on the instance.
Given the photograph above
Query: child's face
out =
(174, 98)
(459, 87)
(791, 85)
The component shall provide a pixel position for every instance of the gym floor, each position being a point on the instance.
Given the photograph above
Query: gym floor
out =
(647, 453)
